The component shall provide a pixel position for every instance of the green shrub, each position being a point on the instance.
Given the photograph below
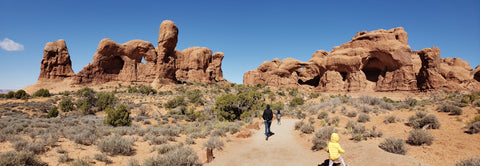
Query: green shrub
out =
(277, 106)
(146, 89)
(233, 107)
(175, 102)
(20, 94)
(195, 97)
(296, 102)
(321, 137)
(10, 95)
(422, 120)
(116, 144)
(410, 101)
(104, 100)
(66, 105)
(314, 95)
(84, 106)
(469, 162)
(118, 117)
(53, 112)
(363, 117)
(42, 93)
(420, 137)
(12, 158)
(394, 145)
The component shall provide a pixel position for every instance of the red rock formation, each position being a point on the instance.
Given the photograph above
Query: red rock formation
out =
(123, 62)
(379, 60)
(476, 73)
(115, 62)
(56, 63)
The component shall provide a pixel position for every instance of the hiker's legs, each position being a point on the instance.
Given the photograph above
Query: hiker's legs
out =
(341, 160)
(266, 128)
(330, 163)
(269, 124)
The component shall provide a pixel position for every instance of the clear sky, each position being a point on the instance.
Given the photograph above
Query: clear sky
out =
(247, 32)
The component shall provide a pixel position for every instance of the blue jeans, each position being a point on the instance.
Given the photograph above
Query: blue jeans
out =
(267, 127)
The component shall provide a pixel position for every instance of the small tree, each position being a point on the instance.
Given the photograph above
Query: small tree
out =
(20, 94)
(66, 105)
(42, 93)
(104, 100)
(296, 102)
(53, 112)
(118, 117)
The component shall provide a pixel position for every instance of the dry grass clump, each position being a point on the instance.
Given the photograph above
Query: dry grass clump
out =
(63, 158)
(420, 137)
(81, 162)
(422, 120)
(448, 107)
(394, 145)
(474, 128)
(307, 128)
(298, 125)
(180, 156)
(391, 119)
(214, 143)
(363, 117)
(469, 162)
(352, 114)
(102, 157)
(19, 158)
(116, 145)
(321, 137)
(323, 115)
(165, 148)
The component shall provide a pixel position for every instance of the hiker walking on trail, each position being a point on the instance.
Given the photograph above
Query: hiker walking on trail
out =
(278, 117)
(267, 117)
(334, 149)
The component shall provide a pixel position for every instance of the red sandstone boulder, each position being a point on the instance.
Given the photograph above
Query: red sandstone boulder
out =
(429, 76)
(198, 65)
(56, 63)
(476, 73)
(166, 53)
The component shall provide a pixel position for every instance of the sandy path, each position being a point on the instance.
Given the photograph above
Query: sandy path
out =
(285, 148)
(280, 149)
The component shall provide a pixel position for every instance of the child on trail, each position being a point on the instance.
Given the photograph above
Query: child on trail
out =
(334, 149)
(278, 117)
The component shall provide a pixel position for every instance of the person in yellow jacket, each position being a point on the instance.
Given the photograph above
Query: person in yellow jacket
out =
(334, 150)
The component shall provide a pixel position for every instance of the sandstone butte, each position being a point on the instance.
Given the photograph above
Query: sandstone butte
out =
(123, 63)
(379, 60)
(373, 61)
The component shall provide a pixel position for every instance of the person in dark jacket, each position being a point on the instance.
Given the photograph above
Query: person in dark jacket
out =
(267, 117)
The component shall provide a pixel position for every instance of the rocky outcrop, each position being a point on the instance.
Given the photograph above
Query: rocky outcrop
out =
(56, 63)
(123, 62)
(476, 73)
(380, 60)
(120, 62)
(199, 65)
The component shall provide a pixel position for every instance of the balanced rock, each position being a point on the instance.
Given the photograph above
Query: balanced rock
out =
(166, 53)
(56, 63)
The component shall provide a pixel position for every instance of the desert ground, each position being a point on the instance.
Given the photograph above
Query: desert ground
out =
(162, 134)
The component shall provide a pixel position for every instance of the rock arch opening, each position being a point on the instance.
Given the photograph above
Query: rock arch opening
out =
(312, 82)
(114, 65)
(344, 75)
(374, 68)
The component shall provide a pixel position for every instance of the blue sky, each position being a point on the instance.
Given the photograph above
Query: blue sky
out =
(248, 32)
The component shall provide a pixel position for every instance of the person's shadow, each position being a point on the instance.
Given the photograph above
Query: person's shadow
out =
(325, 163)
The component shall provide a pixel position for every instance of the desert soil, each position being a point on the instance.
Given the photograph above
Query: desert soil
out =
(286, 148)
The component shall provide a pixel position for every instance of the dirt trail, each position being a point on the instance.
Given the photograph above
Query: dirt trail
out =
(280, 149)
(283, 148)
